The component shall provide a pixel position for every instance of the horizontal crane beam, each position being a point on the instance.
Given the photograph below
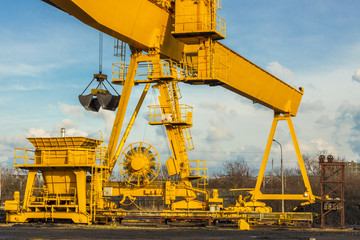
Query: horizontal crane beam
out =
(247, 79)
(140, 23)
(144, 25)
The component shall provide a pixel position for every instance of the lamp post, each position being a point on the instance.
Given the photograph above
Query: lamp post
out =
(282, 176)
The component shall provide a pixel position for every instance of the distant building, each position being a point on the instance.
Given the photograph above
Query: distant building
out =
(352, 169)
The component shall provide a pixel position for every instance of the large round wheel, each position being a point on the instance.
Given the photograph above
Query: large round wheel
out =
(139, 164)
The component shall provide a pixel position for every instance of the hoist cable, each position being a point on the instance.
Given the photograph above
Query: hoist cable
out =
(100, 51)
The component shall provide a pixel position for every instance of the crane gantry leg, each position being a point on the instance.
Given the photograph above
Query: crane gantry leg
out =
(256, 193)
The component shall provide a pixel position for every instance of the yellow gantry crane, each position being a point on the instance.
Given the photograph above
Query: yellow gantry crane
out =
(173, 41)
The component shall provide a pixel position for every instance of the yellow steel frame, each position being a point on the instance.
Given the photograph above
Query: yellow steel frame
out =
(64, 163)
(163, 73)
(256, 192)
(181, 44)
(128, 129)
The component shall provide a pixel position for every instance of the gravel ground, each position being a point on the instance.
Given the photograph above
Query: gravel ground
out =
(68, 231)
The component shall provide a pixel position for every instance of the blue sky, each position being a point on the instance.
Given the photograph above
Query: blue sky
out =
(47, 58)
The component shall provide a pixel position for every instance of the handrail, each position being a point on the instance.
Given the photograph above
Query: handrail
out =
(157, 115)
(25, 157)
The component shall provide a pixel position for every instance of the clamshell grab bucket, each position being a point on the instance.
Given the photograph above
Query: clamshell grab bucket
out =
(89, 103)
(108, 101)
(99, 97)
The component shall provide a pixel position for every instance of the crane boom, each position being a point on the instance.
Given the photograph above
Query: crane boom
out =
(144, 25)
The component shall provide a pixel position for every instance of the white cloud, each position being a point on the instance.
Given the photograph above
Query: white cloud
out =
(78, 112)
(348, 120)
(217, 107)
(24, 70)
(218, 131)
(356, 76)
(280, 71)
(220, 109)
(320, 145)
(9, 142)
(107, 116)
(315, 106)
(70, 129)
(72, 111)
(324, 121)
(37, 132)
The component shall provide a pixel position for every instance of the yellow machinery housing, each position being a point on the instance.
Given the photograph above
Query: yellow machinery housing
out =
(178, 45)
(65, 163)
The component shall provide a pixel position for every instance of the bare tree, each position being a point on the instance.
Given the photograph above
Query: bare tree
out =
(235, 174)
(311, 163)
(12, 179)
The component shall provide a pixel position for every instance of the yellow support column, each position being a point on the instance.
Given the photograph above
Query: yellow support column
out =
(266, 155)
(81, 189)
(300, 159)
(131, 123)
(120, 115)
(82, 216)
(256, 193)
(29, 187)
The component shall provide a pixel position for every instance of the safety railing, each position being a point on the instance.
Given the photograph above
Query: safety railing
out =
(213, 68)
(38, 196)
(164, 115)
(119, 71)
(29, 157)
(70, 198)
(41, 196)
(199, 168)
(24, 156)
(218, 4)
(165, 69)
(201, 23)
(220, 25)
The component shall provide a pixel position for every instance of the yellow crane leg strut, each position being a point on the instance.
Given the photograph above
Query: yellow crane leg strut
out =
(123, 103)
(131, 123)
(256, 193)
(30, 183)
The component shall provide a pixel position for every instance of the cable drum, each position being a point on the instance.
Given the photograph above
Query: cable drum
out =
(139, 164)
